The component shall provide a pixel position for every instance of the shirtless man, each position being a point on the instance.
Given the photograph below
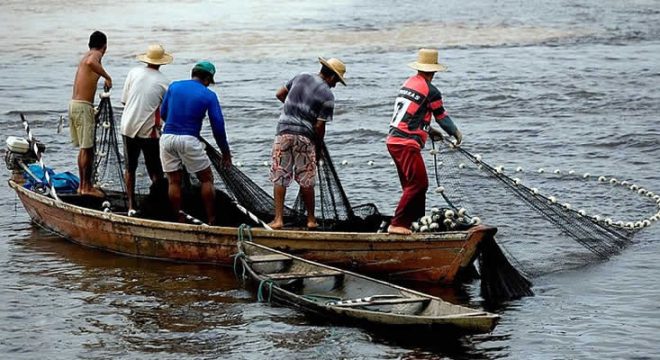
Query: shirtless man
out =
(81, 109)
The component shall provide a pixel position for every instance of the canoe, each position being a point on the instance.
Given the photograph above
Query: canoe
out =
(346, 296)
(428, 257)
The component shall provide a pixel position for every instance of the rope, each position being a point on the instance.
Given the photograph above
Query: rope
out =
(239, 256)
(35, 148)
(242, 229)
(260, 291)
(600, 238)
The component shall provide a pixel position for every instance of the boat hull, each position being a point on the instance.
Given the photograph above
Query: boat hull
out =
(426, 257)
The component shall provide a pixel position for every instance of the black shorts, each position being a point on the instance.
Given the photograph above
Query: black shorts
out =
(149, 147)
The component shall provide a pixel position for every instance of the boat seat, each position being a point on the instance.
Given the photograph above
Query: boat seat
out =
(305, 275)
(378, 300)
(267, 258)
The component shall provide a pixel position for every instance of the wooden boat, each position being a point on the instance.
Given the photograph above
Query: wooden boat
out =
(338, 294)
(430, 257)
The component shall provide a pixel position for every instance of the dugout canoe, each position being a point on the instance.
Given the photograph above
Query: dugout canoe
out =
(341, 295)
(427, 257)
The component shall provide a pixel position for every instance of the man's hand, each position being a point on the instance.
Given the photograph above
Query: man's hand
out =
(108, 84)
(282, 93)
(226, 160)
(435, 134)
(459, 137)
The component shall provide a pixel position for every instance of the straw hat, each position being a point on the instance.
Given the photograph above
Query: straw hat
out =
(336, 66)
(427, 61)
(155, 55)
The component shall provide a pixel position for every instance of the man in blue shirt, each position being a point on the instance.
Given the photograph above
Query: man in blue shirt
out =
(184, 107)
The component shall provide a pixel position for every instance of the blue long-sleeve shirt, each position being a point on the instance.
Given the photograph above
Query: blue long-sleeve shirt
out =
(184, 107)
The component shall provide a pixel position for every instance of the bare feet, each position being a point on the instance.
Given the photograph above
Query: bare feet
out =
(276, 225)
(92, 192)
(400, 230)
(312, 226)
(181, 218)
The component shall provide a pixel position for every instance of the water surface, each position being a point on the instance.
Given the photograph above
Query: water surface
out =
(565, 84)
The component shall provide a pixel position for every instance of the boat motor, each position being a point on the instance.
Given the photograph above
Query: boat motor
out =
(20, 152)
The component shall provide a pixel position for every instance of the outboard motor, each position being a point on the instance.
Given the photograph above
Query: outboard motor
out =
(19, 154)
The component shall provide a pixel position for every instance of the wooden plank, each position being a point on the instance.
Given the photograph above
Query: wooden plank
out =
(267, 258)
(359, 302)
(305, 275)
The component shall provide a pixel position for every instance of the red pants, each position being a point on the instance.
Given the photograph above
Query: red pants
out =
(414, 181)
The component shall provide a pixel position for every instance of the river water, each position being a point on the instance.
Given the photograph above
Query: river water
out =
(569, 84)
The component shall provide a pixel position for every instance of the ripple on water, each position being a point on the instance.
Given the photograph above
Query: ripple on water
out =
(530, 84)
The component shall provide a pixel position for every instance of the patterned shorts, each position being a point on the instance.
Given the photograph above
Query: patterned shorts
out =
(294, 157)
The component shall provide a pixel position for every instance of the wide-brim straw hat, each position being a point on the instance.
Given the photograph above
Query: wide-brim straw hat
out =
(155, 55)
(427, 61)
(336, 66)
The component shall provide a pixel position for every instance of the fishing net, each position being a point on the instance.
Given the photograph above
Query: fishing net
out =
(108, 165)
(465, 183)
(469, 187)
(333, 209)
(245, 191)
(464, 179)
(108, 170)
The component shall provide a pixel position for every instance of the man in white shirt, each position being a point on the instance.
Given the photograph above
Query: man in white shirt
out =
(140, 121)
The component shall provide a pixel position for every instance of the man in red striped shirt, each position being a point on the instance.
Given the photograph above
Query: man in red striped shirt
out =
(416, 102)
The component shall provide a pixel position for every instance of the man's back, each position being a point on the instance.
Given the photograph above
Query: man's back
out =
(309, 98)
(84, 84)
(142, 96)
(185, 105)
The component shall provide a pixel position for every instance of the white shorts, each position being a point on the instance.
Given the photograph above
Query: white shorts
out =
(177, 151)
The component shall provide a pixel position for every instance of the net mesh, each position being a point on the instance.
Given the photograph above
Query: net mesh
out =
(245, 191)
(463, 181)
(108, 170)
(333, 209)
(602, 236)
(462, 178)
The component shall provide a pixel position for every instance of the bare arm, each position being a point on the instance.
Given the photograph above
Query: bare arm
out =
(282, 93)
(94, 63)
(319, 129)
(447, 124)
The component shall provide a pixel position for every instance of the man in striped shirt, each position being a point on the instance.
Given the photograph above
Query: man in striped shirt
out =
(308, 105)
(410, 127)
